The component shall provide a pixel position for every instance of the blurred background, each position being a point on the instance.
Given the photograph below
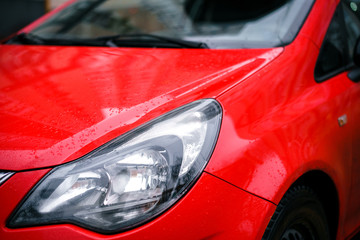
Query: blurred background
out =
(16, 14)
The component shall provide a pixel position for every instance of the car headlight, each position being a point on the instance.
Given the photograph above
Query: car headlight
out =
(131, 179)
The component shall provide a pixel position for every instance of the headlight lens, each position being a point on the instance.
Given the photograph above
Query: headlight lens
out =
(132, 178)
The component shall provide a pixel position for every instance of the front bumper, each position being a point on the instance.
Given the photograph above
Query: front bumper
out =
(212, 209)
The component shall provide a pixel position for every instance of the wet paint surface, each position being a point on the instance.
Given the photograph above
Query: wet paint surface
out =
(59, 103)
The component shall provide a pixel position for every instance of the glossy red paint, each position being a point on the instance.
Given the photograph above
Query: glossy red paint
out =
(80, 98)
(59, 103)
(289, 126)
(275, 130)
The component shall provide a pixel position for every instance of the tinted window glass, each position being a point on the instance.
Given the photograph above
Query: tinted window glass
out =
(218, 23)
(352, 22)
(334, 54)
(338, 45)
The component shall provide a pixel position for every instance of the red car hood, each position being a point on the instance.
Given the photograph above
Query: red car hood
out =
(59, 103)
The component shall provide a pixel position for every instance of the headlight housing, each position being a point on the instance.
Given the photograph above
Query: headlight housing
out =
(131, 179)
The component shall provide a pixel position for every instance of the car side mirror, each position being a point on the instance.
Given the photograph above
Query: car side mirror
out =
(354, 74)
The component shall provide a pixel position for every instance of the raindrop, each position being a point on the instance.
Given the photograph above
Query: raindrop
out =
(353, 6)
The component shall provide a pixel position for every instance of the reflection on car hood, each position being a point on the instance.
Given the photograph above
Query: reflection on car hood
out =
(59, 103)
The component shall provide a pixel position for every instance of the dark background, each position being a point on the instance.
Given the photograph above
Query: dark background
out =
(16, 14)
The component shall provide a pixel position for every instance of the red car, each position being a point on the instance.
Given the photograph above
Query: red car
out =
(182, 119)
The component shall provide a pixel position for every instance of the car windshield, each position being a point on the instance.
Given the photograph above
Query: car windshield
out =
(220, 24)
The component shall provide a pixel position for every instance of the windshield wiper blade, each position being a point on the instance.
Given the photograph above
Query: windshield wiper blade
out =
(146, 40)
(32, 39)
(135, 40)
(26, 38)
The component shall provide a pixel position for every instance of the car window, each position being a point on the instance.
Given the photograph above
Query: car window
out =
(352, 22)
(339, 42)
(218, 23)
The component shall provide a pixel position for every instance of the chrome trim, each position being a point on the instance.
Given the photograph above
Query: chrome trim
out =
(5, 176)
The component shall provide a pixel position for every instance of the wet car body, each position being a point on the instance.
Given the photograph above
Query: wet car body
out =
(280, 126)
